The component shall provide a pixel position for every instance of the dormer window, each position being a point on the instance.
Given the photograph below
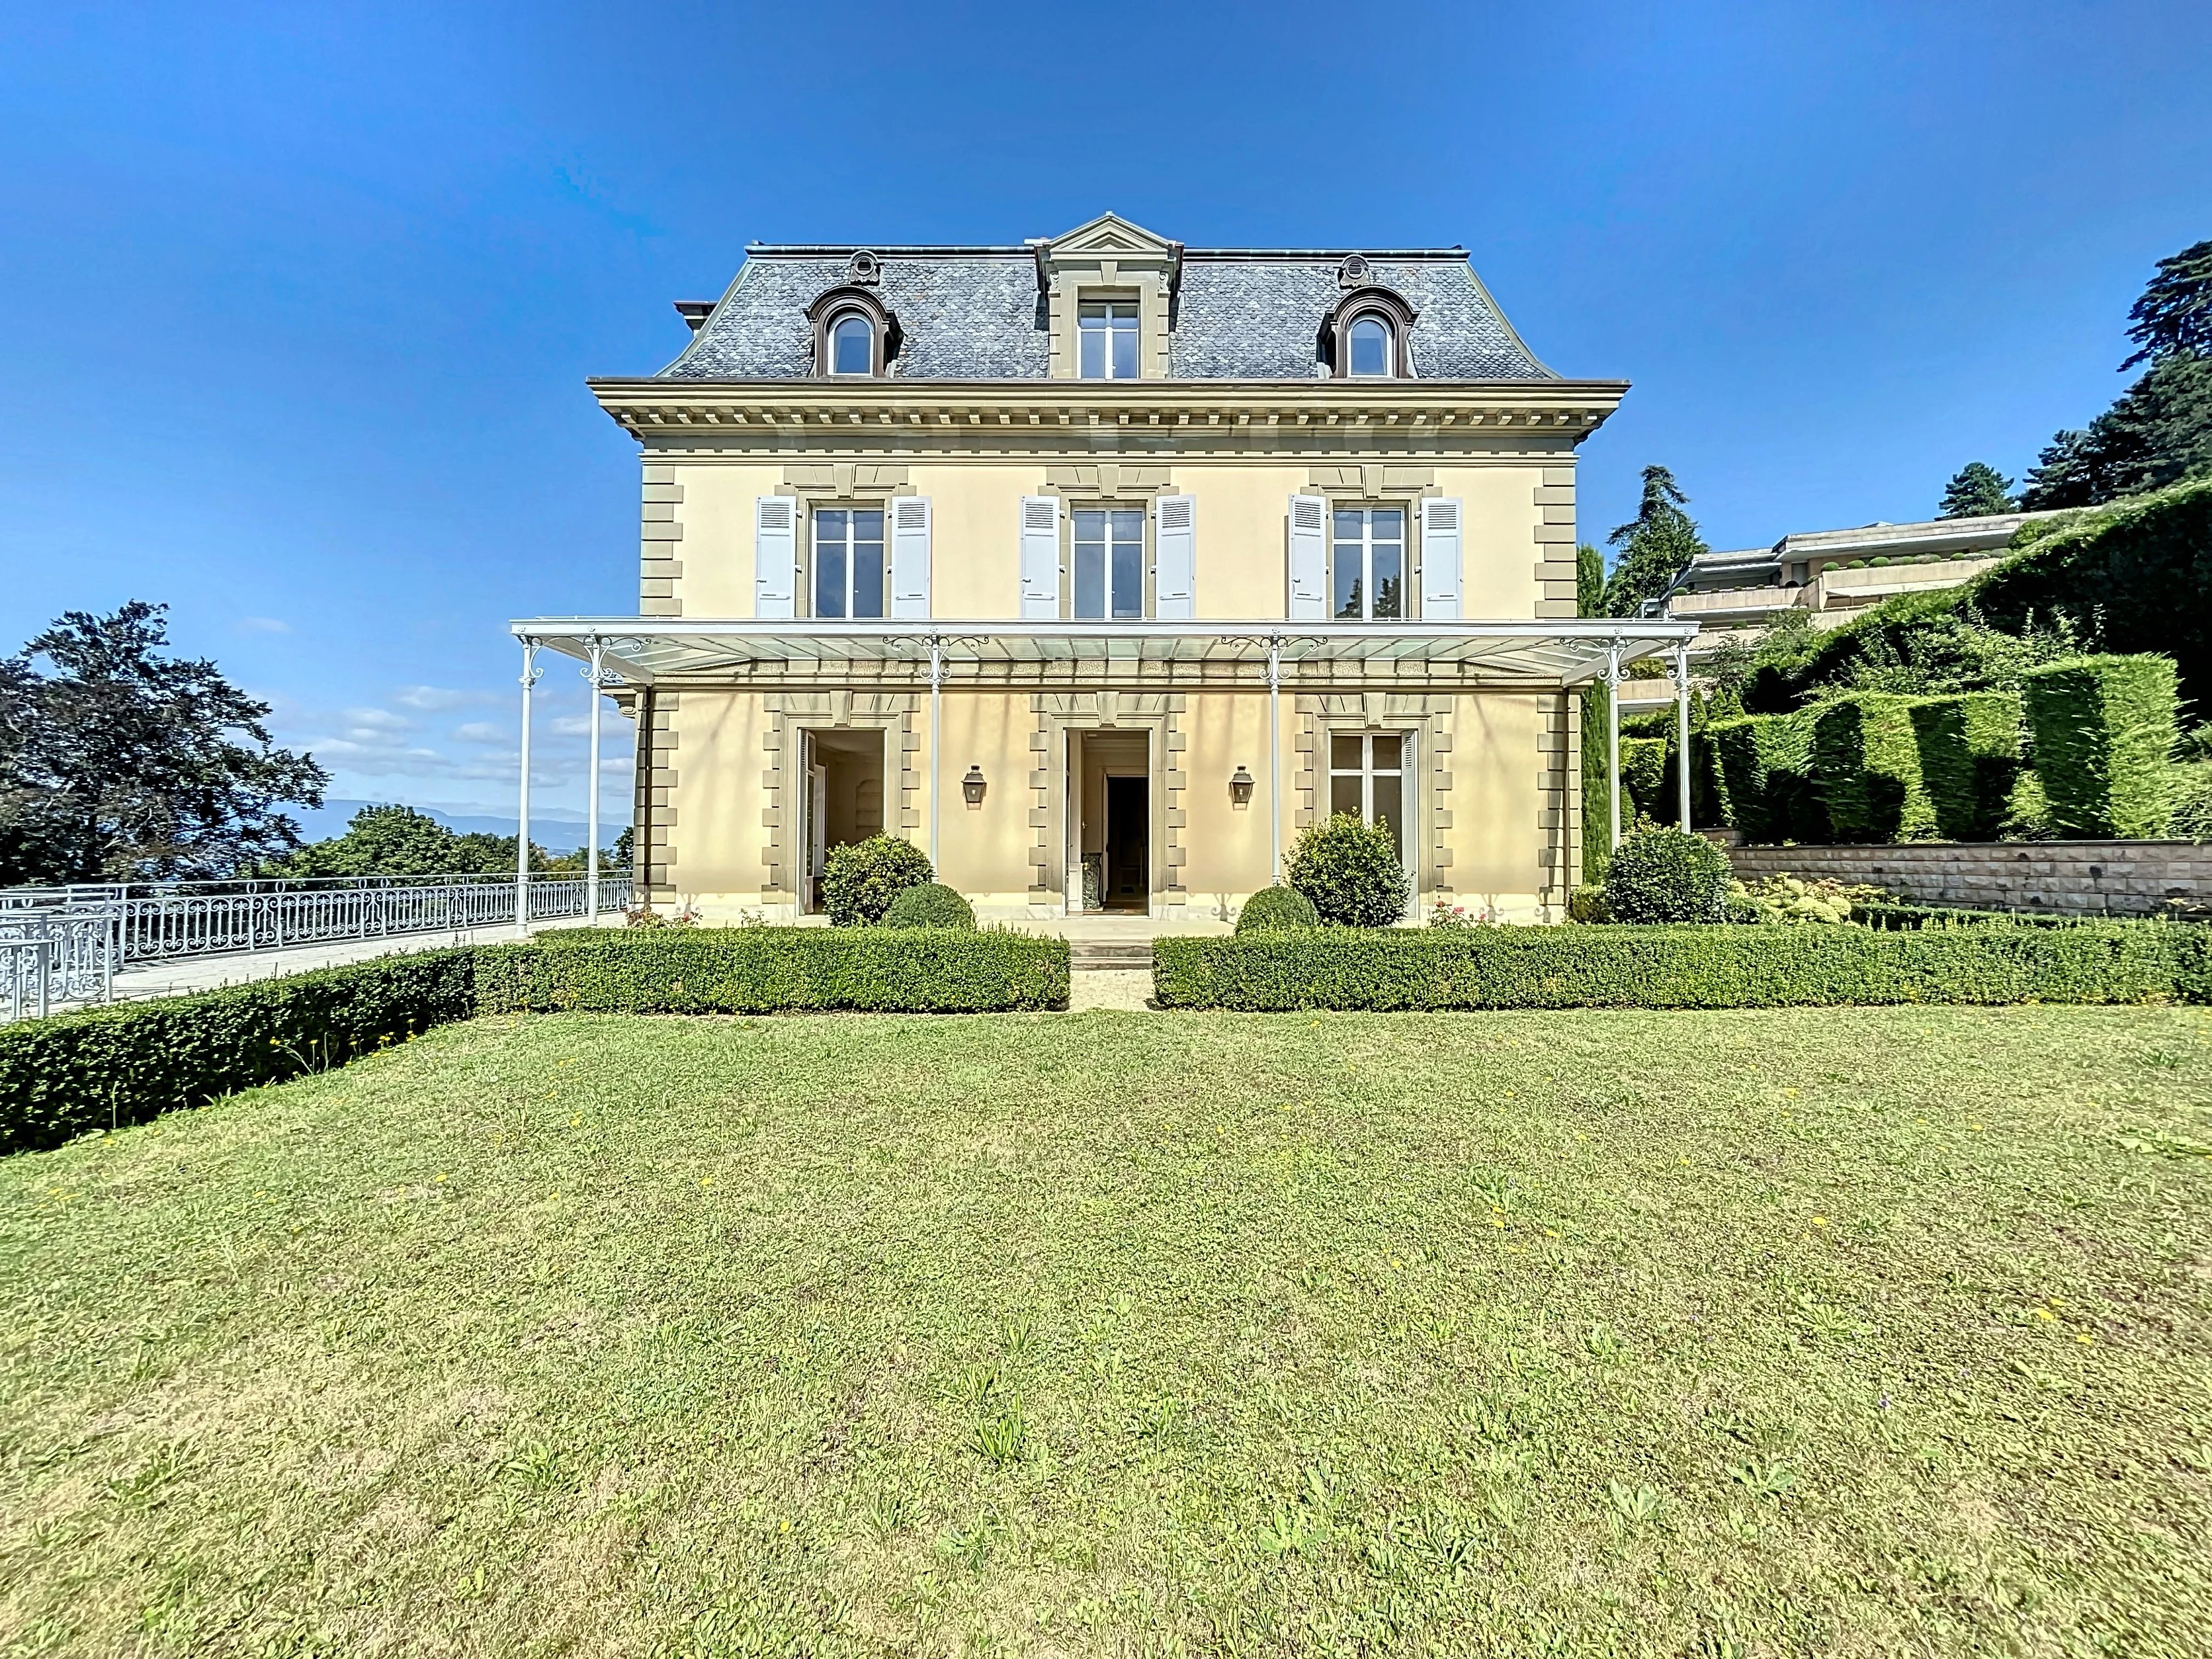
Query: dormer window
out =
(1370, 348)
(1367, 337)
(854, 337)
(851, 345)
(1107, 331)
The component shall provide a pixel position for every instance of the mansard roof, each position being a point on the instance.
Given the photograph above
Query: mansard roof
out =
(979, 314)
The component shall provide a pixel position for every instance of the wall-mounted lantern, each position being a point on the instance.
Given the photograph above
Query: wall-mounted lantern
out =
(972, 785)
(1240, 787)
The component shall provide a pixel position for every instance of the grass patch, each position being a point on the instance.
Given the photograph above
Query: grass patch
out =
(1865, 1331)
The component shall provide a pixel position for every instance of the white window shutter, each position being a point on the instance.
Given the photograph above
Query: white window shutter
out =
(775, 556)
(909, 555)
(1309, 558)
(1040, 556)
(1175, 557)
(1440, 539)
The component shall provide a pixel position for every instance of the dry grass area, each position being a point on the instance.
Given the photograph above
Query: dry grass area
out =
(1855, 1332)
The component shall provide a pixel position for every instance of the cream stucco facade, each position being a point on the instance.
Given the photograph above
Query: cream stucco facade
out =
(1053, 763)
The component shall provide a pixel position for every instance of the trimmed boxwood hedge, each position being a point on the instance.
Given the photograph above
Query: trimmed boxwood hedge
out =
(759, 970)
(932, 904)
(1969, 759)
(72, 1073)
(2104, 730)
(1763, 765)
(1866, 768)
(1689, 967)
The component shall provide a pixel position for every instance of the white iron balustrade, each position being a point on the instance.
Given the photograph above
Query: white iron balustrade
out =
(64, 944)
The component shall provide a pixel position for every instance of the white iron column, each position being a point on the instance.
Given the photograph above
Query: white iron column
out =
(1274, 757)
(936, 730)
(1682, 728)
(1612, 738)
(530, 672)
(591, 793)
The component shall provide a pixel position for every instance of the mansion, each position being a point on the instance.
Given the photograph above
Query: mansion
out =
(1099, 566)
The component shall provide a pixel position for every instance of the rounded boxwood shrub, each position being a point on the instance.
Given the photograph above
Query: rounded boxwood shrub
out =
(932, 904)
(1351, 873)
(861, 878)
(1668, 875)
(1272, 909)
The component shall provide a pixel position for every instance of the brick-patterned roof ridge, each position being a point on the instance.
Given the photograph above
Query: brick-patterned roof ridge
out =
(976, 314)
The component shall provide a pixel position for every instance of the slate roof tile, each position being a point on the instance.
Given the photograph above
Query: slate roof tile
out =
(976, 314)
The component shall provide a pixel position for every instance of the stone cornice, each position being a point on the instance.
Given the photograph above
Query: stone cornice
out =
(772, 412)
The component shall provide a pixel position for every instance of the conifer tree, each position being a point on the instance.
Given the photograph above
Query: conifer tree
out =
(1655, 546)
(1977, 490)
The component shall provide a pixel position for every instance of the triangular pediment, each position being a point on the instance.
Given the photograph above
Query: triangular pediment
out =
(1110, 235)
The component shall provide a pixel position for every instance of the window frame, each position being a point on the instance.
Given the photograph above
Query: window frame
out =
(814, 516)
(1367, 772)
(1070, 515)
(1113, 302)
(1407, 517)
(1389, 333)
(835, 327)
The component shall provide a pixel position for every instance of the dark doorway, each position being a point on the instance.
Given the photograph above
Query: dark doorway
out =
(1128, 843)
(843, 800)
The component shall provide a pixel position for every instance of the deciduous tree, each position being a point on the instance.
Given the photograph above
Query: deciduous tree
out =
(119, 760)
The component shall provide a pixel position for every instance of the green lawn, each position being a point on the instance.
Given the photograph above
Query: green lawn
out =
(1876, 1331)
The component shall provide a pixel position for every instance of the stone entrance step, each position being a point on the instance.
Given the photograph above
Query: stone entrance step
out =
(1098, 956)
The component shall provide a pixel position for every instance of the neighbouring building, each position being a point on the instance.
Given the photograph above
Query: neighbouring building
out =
(1098, 566)
(1830, 575)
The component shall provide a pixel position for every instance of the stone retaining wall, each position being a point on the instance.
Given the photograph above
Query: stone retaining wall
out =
(2068, 878)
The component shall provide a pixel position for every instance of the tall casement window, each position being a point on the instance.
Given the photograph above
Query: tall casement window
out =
(1110, 563)
(1367, 779)
(1369, 342)
(849, 562)
(1367, 563)
(853, 345)
(1106, 331)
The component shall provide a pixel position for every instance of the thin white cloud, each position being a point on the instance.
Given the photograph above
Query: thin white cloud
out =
(264, 625)
(434, 698)
(392, 750)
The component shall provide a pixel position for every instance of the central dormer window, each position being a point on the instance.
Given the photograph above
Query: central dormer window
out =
(1370, 348)
(853, 345)
(1107, 331)
(854, 337)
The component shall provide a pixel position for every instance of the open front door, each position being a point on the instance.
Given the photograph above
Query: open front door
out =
(814, 827)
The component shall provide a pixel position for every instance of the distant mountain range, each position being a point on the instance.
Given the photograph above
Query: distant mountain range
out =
(557, 829)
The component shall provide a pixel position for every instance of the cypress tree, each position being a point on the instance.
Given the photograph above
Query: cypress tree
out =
(1597, 708)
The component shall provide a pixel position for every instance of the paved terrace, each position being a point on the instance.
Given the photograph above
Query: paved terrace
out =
(1112, 953)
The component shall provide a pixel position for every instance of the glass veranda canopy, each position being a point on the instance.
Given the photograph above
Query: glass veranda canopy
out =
(1539, 654)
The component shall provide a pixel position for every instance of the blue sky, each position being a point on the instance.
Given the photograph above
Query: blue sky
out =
(298, 301)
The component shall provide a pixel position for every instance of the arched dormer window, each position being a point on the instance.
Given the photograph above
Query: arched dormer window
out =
(1371, 353)
(854, 337)
(851, 345)
(1368, 337)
